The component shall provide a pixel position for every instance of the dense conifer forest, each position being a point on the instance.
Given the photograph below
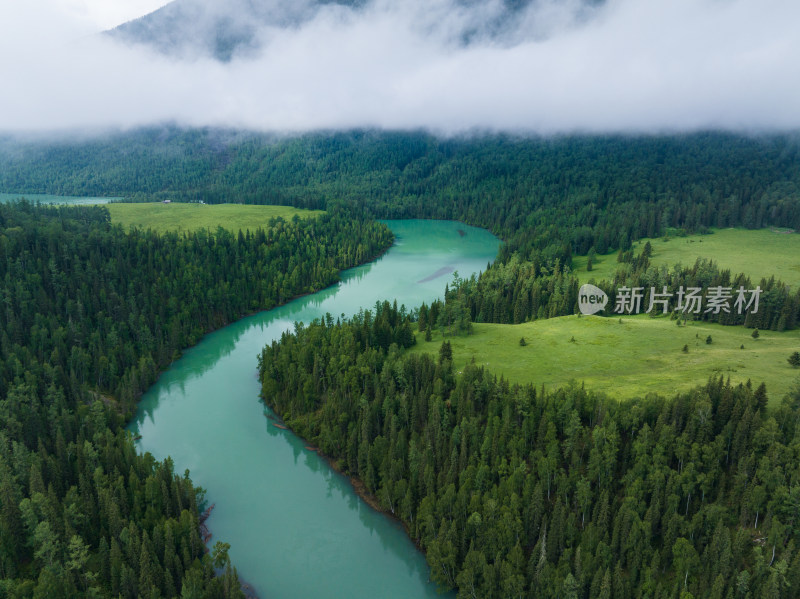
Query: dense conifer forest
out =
(511, 491)
(91, 314)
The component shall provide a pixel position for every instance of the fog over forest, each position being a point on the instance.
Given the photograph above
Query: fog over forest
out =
(445, 65)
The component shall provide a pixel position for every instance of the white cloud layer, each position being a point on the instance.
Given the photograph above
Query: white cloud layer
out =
(630, 65)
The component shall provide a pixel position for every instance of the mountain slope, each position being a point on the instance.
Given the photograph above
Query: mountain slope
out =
(241, 28)
(223, 30)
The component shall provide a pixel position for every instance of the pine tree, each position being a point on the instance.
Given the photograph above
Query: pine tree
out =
(445, 352)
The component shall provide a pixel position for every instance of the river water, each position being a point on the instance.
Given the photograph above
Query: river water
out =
(296, 528)
(53, 199)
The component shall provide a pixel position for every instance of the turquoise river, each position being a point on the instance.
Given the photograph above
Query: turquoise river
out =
(44, 198)
(296, 527)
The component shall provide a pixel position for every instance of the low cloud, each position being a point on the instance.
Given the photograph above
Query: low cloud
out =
(624, 65)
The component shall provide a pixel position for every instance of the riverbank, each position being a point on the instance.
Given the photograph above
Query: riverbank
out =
(357, 484)
(371, 500)
(248, 590)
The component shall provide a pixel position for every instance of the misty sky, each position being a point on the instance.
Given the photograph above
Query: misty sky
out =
(629, 65)
(104, 14)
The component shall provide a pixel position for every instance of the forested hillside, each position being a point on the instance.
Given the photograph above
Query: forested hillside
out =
(91, 314)
(561, 195)
(518, 492)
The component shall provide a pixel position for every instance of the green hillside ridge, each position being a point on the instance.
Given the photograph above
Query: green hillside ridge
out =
(758, 253)
(186, 217)
(639, 356)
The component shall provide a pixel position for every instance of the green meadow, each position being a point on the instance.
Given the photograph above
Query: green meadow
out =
(626, 359)
(758, 253)
(192, 217)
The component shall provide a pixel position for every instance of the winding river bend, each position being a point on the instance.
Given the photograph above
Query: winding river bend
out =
(296, 528)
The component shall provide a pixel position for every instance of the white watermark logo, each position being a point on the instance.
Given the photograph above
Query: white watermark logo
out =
(591, 299)
(689, 300)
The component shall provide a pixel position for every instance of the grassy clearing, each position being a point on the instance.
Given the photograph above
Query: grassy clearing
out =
(759, 253)
(191, 217)
(603, 267)
(627, 360)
